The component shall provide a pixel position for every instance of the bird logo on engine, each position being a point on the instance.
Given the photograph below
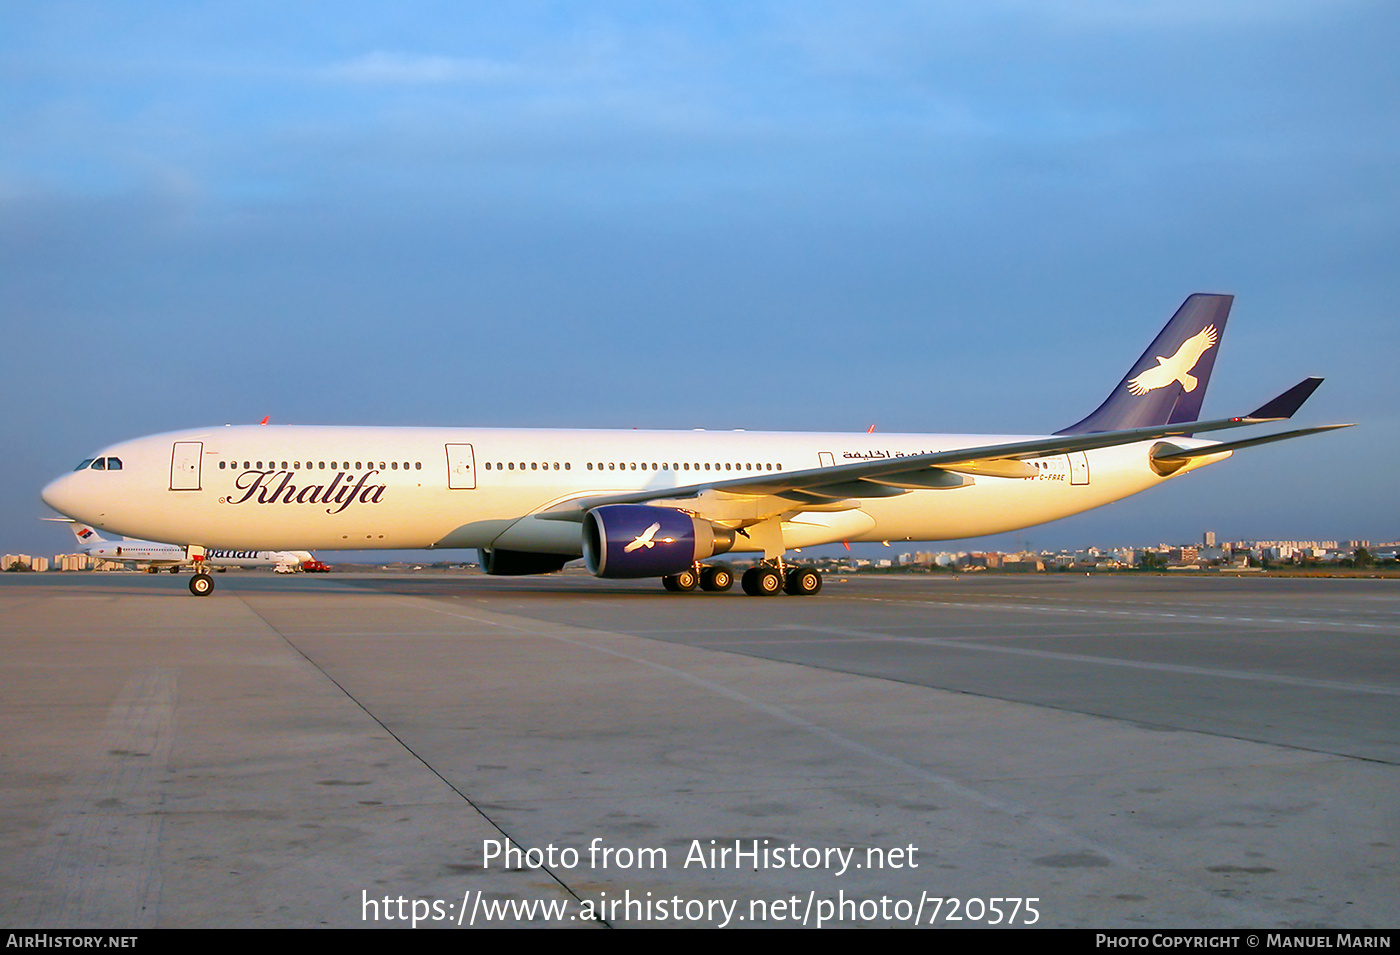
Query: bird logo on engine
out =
(646, 539)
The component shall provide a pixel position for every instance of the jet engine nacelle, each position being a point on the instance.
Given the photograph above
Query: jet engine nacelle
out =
(638, 540)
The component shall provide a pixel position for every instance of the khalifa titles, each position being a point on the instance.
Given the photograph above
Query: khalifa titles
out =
(264, 487)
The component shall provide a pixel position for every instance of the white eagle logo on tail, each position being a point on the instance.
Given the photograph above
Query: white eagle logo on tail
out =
(1177, 367)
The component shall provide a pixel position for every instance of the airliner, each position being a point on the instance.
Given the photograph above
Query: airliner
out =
(661, 504)
(157, 556)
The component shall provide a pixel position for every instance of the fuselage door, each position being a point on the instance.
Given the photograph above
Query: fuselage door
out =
(461, 467)
(825, 459)
(184, 465)
(1078, 468)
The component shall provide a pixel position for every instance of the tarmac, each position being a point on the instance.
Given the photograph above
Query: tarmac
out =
(441, 750)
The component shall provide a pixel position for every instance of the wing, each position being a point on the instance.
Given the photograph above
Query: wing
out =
(749, 500)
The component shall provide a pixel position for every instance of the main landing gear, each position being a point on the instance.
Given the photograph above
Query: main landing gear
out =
(761, 580)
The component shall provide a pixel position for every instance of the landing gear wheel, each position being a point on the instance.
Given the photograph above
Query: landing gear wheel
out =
(803, 582)
(201, 585)
(717, 577)
(683, 582)
(762, 581)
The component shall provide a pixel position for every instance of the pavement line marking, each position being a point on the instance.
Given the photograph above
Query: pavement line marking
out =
(1063, 657)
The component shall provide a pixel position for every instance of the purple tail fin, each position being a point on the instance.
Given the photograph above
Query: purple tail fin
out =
(1168, 383)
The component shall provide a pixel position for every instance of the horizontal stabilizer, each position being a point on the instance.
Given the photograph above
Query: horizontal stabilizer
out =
(1185, 454)
(1287, 403)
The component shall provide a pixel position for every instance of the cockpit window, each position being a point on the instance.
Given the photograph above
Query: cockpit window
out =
(100, 464)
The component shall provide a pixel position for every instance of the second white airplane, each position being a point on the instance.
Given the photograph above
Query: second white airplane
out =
(660, 503)
(154, 555)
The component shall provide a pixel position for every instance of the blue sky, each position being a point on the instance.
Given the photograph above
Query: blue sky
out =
(787, 216)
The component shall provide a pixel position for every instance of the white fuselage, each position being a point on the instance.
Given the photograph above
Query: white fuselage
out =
(272, 487)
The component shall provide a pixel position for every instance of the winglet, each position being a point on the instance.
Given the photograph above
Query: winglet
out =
(1287, 403)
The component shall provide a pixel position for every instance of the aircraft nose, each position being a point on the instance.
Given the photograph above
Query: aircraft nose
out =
(61, 494)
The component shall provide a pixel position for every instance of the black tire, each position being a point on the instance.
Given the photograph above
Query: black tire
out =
(201, 585)
(762, 581)
(681, 583)
(716, 578)
(803, 582)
